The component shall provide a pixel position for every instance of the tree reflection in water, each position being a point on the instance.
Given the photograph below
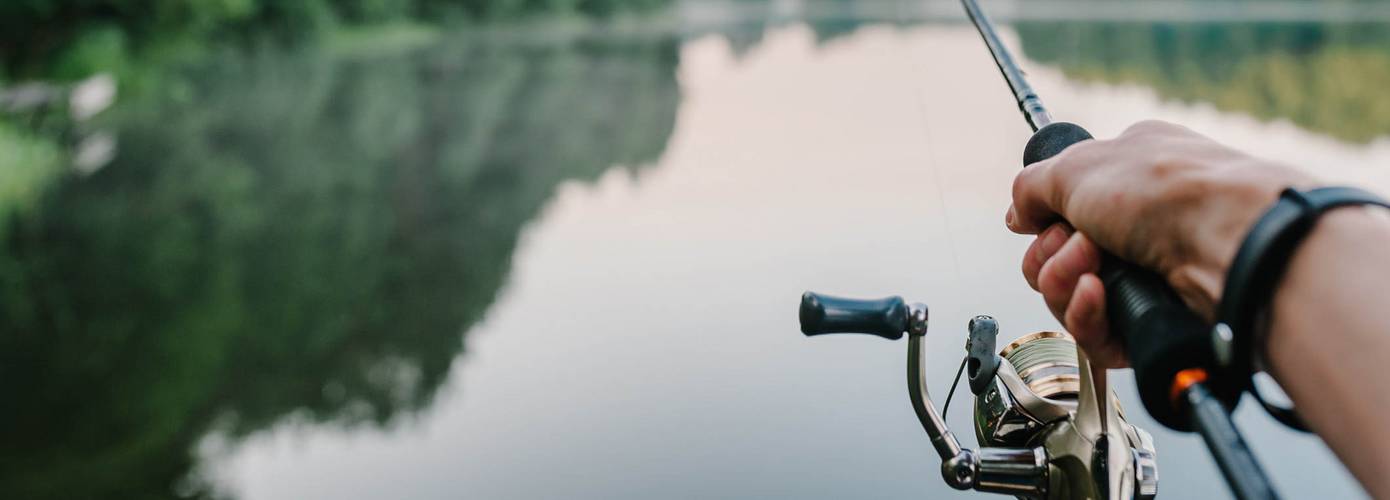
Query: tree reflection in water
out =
(299, 235)
(1328, 78)
(289, 234)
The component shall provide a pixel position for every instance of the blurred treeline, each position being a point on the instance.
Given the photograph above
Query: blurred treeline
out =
(144, 43)
(71, 38)
(289, 235)
(1329, 78)
(292, 229)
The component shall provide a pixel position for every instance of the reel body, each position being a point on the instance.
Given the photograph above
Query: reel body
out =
(1043, 431)
(1045, 363)
(1032, 402)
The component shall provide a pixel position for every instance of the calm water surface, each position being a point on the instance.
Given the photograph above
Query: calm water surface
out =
(567, 269)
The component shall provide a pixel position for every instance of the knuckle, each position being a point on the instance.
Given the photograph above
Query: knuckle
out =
(1182, 182)
(1077, 153)
(1168, 167)
(1020, 180)
(1080, 157)
(1148, 127)
(1050, 282)
(1089, 254)
(1026, 180)
(1030, 273)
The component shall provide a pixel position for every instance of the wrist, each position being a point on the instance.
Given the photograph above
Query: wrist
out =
(1326, 339)
(1257, 271)
(1228, 209)
(1343, 249)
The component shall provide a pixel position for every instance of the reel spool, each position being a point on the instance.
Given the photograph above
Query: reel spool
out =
(1045, 363)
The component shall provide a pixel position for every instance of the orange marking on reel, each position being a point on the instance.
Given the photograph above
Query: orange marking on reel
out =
(1183, 380)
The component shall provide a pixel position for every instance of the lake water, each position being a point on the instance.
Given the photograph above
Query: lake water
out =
(510, 268)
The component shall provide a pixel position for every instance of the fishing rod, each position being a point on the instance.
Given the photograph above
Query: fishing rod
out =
(1047, 423)
(1168, 345)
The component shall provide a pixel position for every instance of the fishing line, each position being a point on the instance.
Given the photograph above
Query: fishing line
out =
(946, 408)
(933, 163)
(919, 95)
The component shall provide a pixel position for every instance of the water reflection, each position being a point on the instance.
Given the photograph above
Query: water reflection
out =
(666, 363)
(306, 238)
(293, 235)
(1325, 77)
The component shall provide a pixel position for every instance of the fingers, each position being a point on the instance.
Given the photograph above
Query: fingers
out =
(1081, 185)
(1058, 277)
(1085, 319)
(1041, 190)
(1043, 248)
(1033, 192)
(1073, 292)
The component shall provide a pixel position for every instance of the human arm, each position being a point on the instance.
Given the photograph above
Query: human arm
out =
(1173, 201)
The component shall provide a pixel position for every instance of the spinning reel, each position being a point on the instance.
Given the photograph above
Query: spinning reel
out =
(1047, 425)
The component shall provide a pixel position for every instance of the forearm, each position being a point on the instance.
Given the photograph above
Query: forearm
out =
(1329, 341)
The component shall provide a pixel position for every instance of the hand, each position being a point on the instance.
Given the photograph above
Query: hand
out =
(1160, 196)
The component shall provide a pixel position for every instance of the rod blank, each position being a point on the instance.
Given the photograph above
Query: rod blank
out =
(1028, 101)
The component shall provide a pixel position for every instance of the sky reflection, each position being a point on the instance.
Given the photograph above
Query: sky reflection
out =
(645, 345)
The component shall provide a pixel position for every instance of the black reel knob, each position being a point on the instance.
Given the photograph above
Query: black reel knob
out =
(822, 314)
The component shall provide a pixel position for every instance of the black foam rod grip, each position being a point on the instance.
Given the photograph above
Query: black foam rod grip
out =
(1162, 336)
(1051, 140)
(822, 314)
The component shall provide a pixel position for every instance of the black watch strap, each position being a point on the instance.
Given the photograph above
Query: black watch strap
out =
(1256, 270)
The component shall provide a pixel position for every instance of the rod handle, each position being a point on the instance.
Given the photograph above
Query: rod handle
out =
(1162, 336)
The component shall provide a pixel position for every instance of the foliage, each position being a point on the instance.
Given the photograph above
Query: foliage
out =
(74, 38)
(29, 163)
(1327, 78)
(292, 236)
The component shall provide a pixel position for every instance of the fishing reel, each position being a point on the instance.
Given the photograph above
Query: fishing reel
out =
(1046, 423)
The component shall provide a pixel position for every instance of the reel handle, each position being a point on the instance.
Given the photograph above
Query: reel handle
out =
(1162, 336)
(822, 314)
